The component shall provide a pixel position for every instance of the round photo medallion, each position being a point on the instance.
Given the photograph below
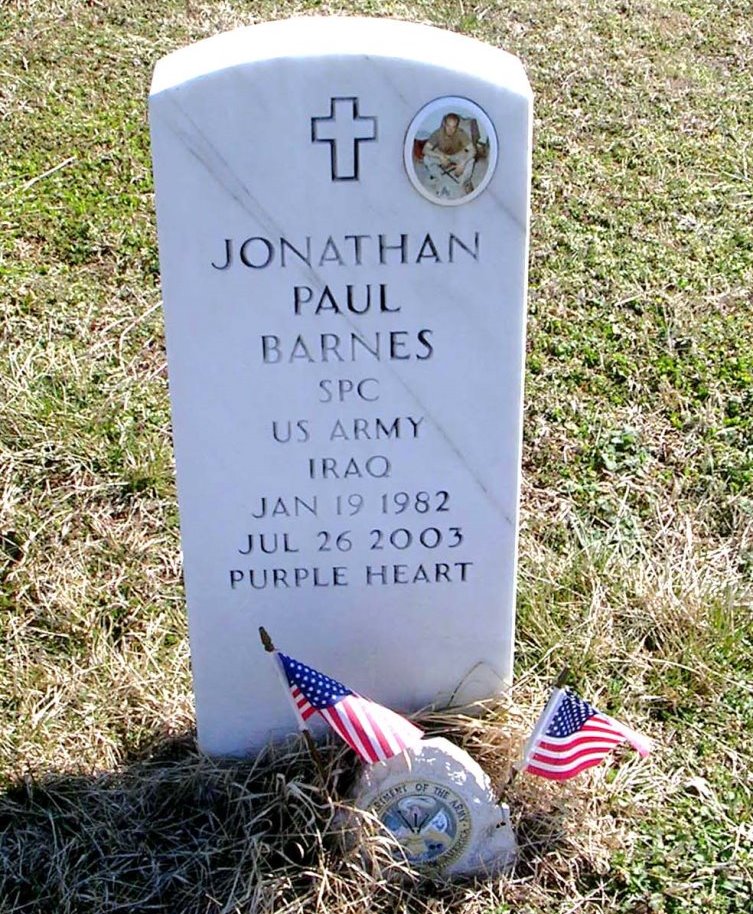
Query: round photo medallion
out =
(450, 151)
(430, 821)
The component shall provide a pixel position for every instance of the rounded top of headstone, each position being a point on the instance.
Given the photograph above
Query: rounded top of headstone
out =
(320, 36)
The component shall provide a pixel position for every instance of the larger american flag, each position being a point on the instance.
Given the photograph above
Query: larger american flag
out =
(375, 732)
(572, 735)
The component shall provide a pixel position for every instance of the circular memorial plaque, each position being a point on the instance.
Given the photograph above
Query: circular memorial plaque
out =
(440, 807)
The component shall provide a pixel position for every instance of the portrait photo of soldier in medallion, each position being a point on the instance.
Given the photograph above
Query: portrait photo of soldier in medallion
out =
(450, 151)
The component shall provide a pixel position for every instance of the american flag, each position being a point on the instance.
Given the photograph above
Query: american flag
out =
(571, 735)
(375, 732)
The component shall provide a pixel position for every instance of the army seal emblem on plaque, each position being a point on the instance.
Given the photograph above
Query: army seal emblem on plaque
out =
(431, 822)
(440, 808)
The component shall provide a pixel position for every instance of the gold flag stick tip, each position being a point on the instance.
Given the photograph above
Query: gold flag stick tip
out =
(266, 640)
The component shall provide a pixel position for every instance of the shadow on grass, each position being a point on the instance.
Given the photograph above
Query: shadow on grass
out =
(182, 833)
(177, 832)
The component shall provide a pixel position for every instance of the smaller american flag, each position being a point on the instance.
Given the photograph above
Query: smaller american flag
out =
(375, 732)
(571, 735)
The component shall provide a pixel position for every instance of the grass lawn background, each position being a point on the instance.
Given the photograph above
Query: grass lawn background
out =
(636, 553)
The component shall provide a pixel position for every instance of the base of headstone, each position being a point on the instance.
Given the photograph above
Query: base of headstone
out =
(440, 806)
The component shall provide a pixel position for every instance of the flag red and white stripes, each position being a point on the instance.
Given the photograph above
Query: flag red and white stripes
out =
(376, 733)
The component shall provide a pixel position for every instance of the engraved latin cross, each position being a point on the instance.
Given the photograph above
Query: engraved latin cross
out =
(344, 129)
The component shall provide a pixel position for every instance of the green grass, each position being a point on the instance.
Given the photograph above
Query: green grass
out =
(636, 558)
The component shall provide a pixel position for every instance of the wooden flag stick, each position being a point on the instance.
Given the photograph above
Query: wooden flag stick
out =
(305, 732)
(559, 683)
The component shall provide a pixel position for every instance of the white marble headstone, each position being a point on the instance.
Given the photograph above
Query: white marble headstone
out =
(343, 221)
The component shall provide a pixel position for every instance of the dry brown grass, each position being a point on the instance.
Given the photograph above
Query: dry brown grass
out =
(183, 833)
